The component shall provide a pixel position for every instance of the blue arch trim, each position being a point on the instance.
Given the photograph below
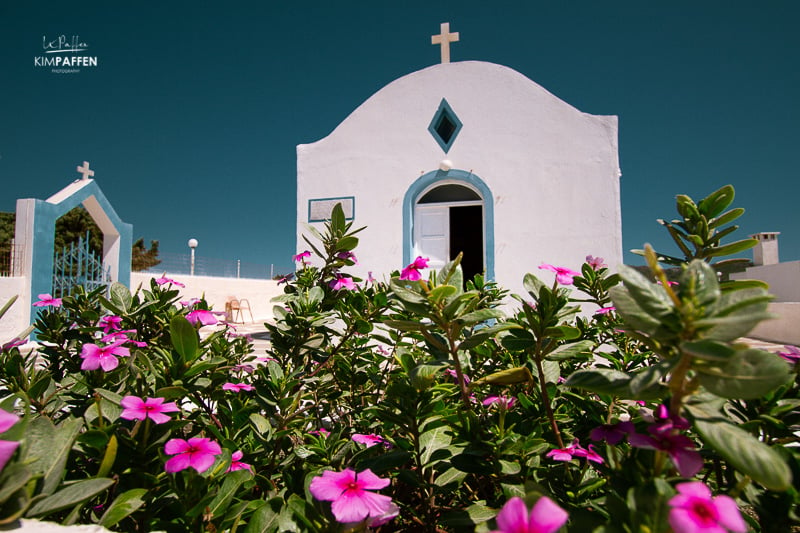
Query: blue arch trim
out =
(423, 182)
(44, 223)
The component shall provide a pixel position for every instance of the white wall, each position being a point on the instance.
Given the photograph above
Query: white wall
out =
(783, 279)
(217, 291)
(552, 169)
(16, 318)
(782, 330)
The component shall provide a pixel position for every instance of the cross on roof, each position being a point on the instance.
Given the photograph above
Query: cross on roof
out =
(85, 170)
(444, 39)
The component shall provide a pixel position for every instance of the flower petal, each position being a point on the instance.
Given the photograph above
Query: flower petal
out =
(174, 446)
(7, 449)
(513, 517)
(546, 516)
(356, 505)
(729, 515)
(7, 420)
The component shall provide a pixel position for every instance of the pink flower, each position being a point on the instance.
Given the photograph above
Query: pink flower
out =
(204, 317)
(301, 257)
(163, 280)
(695, 511)
(589, 454)
(612, 433)
(110, 323)
(237, 387)
(122, 336)
(321, 432)
(7, 447)
(286, 279)
(136, 408)
(792, 354)
(563, 275)
(351, 498)
(545, 517)
(347, 256)
(564, 454)
(343, 282)
(370, 440)
(13, 343)
(575, 450)
(105, 357)
(605, 310)
(502, 402)
(595, 262)
(197, 453)
(45, 300)
(453, 374)
(412, 271)
(370, 279)
(665, 436)
(190, 302)
(237, 464)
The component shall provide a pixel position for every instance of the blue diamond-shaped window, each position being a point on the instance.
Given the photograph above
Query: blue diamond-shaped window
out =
(445, 126)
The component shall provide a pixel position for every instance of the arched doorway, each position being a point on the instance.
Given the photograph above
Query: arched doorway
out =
(447, 213)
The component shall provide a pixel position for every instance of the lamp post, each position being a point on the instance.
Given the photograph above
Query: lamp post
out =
(192, 245)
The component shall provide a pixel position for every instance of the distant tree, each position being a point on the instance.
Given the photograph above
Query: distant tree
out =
(7, 227)
(73, 225)
(142, 258)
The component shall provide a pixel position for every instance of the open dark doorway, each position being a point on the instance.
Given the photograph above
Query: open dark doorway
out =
(466, 236)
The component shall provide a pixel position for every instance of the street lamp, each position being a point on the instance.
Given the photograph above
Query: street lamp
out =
(192, 245)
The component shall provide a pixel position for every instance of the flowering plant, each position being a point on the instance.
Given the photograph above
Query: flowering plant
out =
(423, 403)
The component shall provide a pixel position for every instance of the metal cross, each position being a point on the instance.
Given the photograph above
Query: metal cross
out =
(444, 39)
(85, 171)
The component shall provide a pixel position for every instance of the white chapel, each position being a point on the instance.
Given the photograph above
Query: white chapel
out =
(468, 157)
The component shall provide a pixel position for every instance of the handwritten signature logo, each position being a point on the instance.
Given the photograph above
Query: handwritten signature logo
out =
(63, 44)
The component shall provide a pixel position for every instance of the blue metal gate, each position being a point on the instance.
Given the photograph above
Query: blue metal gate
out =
(78, 265)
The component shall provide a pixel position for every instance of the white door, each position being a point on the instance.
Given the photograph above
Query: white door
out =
(432, 234)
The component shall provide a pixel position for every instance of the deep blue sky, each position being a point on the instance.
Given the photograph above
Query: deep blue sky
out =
(193, 113)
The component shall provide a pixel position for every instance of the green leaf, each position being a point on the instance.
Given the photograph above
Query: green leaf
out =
(481, 315)
(746, 453)
(651, 298)
(509, 376)
(232, 482)
(607, 381)
(724, 218)
(184, 338)
(346, 244)
(716, 202)
(48, 447)
(732, 248)
(404, 325)
(571, 350)
(266, 517)
(518, 340)
(562, 332)
(14, 477)
(476, 513)
(708, 350)
(109, 457)
(440, 293)
(121, 296)
(451, 475)
(70, 496)
(747, 373)
(8, 305)
(337, 220)
(123, 506)
(533, 285)
(433, 440)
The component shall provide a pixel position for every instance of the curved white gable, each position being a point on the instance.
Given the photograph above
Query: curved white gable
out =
(553, 170)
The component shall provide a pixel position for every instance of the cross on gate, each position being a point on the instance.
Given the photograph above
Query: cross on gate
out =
(444, 39)
(85, 170)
